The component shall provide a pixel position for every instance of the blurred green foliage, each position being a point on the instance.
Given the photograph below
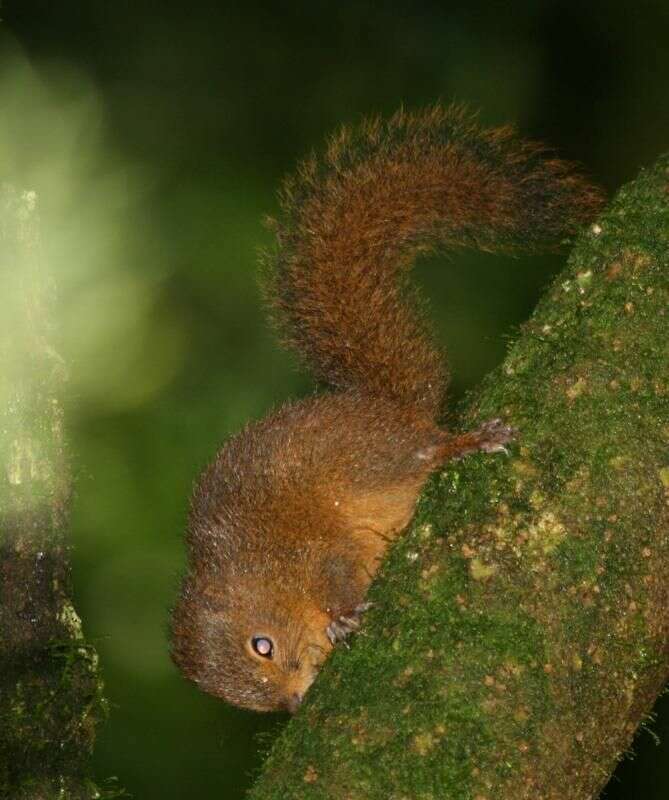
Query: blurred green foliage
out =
(156, 136)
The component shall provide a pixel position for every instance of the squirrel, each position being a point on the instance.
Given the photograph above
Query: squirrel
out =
(288, 524)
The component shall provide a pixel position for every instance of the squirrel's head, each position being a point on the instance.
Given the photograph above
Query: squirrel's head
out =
(271, 571)
(255, 646)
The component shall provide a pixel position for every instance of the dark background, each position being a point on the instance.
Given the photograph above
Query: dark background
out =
(156, 135)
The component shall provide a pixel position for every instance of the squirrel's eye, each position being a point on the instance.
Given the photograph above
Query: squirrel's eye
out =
(263, 646)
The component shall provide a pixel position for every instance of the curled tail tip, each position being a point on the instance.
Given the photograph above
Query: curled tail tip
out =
(558, 201)
(351, 222)
(557, 188)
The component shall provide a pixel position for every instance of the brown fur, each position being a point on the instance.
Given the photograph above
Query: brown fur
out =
(353, 223)
(288, 523)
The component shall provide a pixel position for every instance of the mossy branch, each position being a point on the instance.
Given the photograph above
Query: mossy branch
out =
(520, 631)
(50, 691)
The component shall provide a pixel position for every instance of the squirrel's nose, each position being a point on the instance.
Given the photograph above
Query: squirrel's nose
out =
(293, 702)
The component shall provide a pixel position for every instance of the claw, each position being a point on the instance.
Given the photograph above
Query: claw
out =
(337, 632)
(339, 629)
(494, 435)
(494, 448)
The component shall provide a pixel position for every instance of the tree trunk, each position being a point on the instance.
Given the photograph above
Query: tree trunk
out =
(520, 629)
(50, 691)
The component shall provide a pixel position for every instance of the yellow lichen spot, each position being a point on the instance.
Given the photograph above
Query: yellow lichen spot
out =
(546, 533)
(618, 462)
(513, 668)
(664, 476)
(425, 531)
(70, 619)
(524, 468)
(577, 662)
(423, 743)
(429, 572)
(310, 776)
(576, 389)
(480, 571)
(537, 499)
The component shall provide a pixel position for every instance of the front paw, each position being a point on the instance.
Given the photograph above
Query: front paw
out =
(492, 436)
(339, 629)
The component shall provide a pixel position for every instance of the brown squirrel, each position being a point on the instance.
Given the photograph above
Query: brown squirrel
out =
(289, 522)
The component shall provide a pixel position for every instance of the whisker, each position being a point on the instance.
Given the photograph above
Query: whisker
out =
(376, 532)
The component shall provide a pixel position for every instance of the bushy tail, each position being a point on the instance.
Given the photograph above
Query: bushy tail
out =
(352, 223)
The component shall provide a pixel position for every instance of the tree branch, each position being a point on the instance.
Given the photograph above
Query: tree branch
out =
(50, 692)
(520, 630)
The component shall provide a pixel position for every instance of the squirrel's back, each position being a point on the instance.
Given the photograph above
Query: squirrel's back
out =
(353, 221)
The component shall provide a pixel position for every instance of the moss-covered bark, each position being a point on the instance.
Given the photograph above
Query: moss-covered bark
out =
(50, 692)
(520, 630)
